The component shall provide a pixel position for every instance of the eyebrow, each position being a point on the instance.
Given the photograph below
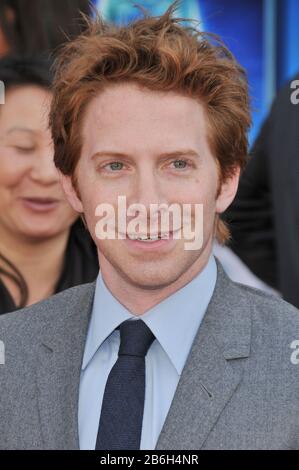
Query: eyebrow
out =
(174, 153)
(20, 129)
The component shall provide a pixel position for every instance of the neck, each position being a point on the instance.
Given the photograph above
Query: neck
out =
(39, 261)
(139, 300)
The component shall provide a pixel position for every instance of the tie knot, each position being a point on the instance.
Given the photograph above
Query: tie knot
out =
(135, 338)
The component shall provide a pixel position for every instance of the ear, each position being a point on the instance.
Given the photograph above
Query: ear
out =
(70, 192)
(228, 191)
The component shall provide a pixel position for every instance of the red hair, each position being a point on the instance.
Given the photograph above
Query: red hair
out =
(161, 54)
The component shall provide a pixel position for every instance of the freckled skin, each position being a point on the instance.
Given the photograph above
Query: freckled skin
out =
(144, 124)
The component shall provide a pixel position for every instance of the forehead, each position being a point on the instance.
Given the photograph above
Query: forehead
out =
(126, 114)
(25, 105)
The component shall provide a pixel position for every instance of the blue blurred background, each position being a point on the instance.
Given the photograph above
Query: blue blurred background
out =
(263, 35)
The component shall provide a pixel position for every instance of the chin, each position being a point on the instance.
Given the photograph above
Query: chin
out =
(153, 279)
(40, 233)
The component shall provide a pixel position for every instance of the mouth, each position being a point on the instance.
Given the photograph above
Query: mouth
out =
(145, 242)
(40, 204)
(148, 238)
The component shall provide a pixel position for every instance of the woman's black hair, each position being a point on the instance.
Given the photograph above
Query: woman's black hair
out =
(26, 70)
(22, 71)
(39, 26)
(34, 29)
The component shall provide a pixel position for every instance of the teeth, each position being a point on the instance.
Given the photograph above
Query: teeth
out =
(163, 236)
(145, 239)
(148, 239)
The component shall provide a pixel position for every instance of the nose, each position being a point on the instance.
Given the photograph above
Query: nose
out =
(43, 169)
(148, 189)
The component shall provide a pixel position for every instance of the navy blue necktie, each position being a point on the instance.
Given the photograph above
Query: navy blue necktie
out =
(123, 401)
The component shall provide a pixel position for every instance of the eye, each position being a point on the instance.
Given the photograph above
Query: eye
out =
(24, 149)
(114, 166)
(180, 164)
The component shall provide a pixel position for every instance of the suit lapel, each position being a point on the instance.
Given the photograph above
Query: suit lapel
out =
(207, 383)
(58, 370)
(208, 379)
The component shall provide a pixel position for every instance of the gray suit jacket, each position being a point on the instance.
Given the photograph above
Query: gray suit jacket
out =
(239, 388)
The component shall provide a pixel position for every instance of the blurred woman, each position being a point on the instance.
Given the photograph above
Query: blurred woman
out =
(37, 26)
(43, 247)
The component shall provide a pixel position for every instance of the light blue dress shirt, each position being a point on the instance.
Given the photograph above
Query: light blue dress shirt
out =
(174, 322)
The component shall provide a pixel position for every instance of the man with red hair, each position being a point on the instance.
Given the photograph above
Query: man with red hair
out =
(163, 351)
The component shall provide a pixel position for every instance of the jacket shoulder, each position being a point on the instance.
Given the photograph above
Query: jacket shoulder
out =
(270, 309)
(29, 320)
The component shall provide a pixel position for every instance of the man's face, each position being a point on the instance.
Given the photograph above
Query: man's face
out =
(151, 147)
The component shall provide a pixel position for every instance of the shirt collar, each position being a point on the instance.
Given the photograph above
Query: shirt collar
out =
(183, 310)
